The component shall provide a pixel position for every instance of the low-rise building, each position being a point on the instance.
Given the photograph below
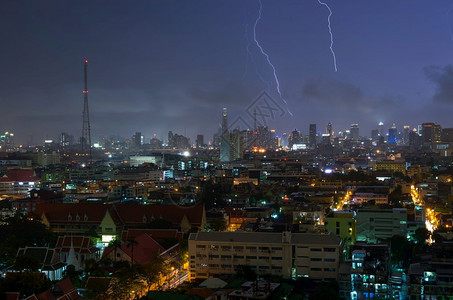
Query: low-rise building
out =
(342, 224)
(290, 255)
(380, 224)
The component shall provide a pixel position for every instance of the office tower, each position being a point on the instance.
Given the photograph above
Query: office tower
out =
(295, 138)
(392, 134)
(381, 128)
(375, 134)
(137, 140)
(329, 128)
(312, 135)
(447, 135)
(66, 139)
(431, 133)
(354, 132)
(235, 145)
(406, 130)
(200, 141)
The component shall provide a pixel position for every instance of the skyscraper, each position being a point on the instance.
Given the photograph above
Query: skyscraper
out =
(224, 121)
(312, 135)
(406, 130)
(225, 138)
(200, 141)
(354, 132)
(392, 135)
(375, 134)
(431, 133)
(329, 128)
(381, 128)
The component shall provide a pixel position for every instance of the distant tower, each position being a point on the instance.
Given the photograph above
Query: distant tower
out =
(381, 128)
(329, 129)
(224, 121)
(86, 131)
(354, 131)
(312, 135)
(225, 138)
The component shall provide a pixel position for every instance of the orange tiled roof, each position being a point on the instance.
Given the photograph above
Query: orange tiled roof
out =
(145, 249)
(156, 234)
(20, 176)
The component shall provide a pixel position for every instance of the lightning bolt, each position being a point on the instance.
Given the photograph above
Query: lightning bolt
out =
(448, 21)
(331, 35)
(250, 55)
(268, 58)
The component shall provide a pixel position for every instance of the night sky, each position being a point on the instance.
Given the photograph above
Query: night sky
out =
(156, 66)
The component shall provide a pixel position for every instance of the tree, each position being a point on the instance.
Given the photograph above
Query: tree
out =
(131, 243)
(244, 271)
(21, 231)
(421, 235)
(115, 244)
(395, 196)
(24, 262)
(72, 274)
(27, 283)
(218, 224)
(152, 272)
(401, 250)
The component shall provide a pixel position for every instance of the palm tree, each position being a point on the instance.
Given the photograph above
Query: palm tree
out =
(116, 243)
(132, 243)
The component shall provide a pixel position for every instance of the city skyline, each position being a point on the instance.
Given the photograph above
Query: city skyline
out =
(175, 65)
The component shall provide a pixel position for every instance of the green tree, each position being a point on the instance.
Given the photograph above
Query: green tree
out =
(152, 272)
(21, 231)
(24, 262)
(421, 235)
(73, 275)
(401, 250)
(115, 244)
(27, 283)
(395, 196)
(245, 272)
(131, 243)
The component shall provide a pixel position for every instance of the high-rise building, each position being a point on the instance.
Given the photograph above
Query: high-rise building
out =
(312, 135)
(66, 139)
(431, 133)
(381, 128)
(224, 121)
(354, 132)
(392, 138)
(200, 141)
(415, 140)
(375, 134)
(235, 145)
(295, 138)
(225, 138)
(137, 140)
(329, 128)
(406, 130)
(6, 140)
(447, 135)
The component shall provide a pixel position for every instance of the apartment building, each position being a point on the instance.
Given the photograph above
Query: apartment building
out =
(286, 254)
(374, 225)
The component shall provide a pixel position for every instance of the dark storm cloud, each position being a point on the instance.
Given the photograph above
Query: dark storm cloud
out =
(233, 93)
(332, 92)
(442, 77)
(334, 95)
